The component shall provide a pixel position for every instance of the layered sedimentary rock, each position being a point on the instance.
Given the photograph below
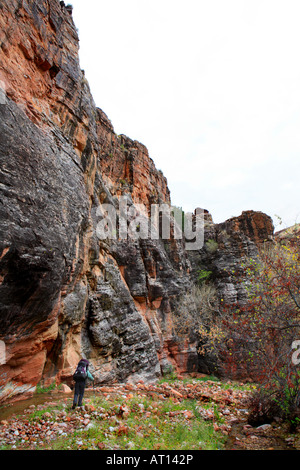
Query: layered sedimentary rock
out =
(64, 290)
(227, 246)
(127, 167)
(65, 293)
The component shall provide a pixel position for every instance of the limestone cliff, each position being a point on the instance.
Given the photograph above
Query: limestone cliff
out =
(65, 292)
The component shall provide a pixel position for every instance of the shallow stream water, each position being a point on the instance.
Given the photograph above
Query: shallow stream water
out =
(17, 408)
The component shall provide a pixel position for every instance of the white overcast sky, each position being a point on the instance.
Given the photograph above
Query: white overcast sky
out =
(211, 88)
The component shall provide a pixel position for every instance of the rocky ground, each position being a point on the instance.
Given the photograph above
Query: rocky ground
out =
(223, 406)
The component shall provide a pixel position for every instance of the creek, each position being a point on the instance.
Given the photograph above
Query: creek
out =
(16, 408)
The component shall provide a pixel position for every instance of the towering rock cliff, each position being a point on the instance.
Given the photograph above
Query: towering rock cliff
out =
(64, 291)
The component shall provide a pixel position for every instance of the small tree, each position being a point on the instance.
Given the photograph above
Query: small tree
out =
(196, 313)
(261, 334)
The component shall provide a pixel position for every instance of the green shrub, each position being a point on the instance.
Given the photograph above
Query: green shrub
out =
(203, 276)
(211, 246)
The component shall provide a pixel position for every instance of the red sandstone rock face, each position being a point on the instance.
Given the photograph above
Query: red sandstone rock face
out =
(63, 293)
(255, 225)
(39, 59)
(127, 167)
(39, 67)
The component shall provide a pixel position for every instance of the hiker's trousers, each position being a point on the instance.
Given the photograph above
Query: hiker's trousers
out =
(79, 392)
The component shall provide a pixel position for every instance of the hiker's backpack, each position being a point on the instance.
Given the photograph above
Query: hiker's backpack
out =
(80, 372)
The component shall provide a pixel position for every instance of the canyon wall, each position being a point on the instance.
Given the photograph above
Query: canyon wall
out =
(65, 292)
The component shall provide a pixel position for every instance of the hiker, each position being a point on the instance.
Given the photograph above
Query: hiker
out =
(80, 377)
